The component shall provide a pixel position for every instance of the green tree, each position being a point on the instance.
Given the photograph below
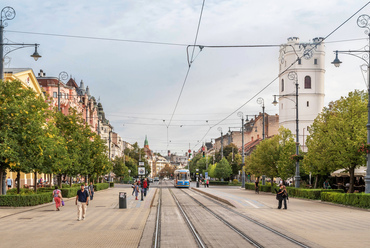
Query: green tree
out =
(336, 136)
(119, 167)
(223, 169)
(23, 115)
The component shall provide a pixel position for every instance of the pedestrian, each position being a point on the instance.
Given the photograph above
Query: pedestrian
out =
(136, 189)
(57, 194)
(82, 201)
(282, 195)
(207, 182)
(145, 186)
(148, 182)
(133, 188)
(87, 189)
(256, 188)
(91, 190)
(9, 183)
(326, 184)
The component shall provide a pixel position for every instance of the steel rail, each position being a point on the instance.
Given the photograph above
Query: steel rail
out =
(232, 227)
(188, 222)
(157, 233)
(254, 221)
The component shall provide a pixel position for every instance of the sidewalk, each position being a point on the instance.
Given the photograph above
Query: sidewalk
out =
(105, 224)
(327, 225)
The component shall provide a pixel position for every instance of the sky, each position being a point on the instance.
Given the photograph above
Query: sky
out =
(135, 60)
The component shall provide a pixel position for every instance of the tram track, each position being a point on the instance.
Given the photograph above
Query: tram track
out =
(157, 236)
(246, 237)
(292, 240)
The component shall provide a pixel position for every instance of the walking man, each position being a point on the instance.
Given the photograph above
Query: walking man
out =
(145, 185)
(82, 199)
(91, 189)
(9, 183)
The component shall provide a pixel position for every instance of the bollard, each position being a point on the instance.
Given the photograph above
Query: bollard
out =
(142, 194)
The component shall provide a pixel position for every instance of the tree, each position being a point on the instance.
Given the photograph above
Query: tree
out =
(22, 134)
(167, 171)
(337, 135)
(119, 167)
(223, 169)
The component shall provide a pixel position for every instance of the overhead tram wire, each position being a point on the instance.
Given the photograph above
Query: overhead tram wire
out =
(99, 38)
(191, 61)
(298, 58)
(187, 73)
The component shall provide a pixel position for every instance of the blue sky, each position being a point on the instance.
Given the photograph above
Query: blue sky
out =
(139, 83)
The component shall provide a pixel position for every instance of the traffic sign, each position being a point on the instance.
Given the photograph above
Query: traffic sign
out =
(141, 163)
(141, 171)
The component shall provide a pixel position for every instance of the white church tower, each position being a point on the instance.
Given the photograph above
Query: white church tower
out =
(310, 70)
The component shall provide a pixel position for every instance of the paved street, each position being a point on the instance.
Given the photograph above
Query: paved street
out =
(323, 225)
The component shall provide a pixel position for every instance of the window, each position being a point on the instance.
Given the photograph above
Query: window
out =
(307, 82)
(299, 61)
(308, 103)
(315, 61)
(258, 136)
(55, 95)
(282, 106)
(282, 84)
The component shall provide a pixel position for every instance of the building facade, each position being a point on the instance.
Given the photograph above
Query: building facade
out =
(310, 70)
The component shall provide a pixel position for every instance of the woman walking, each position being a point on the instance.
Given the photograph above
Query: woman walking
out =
(57, 194)
(136, 189)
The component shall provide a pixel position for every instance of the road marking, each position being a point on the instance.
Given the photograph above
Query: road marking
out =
(253, 205)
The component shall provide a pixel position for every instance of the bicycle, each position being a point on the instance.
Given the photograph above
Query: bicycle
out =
(257, 190)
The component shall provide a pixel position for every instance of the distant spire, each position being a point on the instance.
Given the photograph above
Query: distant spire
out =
(88, 91)
(146, 143)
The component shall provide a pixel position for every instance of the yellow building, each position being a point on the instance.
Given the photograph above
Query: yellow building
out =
(28, 79)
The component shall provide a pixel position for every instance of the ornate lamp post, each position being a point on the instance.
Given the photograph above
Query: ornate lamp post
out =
(7, 14)
(241, 115)
(222, 142)
(363, 21)
(293, 76)
(62, 76)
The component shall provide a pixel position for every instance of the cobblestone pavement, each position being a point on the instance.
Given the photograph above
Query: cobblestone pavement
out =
(105, 224)
(327, 225)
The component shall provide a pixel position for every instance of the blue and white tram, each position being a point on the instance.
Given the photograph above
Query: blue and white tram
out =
(182, 178)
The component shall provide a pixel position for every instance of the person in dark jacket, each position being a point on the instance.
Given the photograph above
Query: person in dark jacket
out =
(145, 186)
(281, 196)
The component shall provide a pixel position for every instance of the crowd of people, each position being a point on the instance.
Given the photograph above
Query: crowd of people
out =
(140, 186)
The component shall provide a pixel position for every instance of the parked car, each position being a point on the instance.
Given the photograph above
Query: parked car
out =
(150, 179)
(156, 179)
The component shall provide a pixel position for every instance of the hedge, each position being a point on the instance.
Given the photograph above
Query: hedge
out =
(25, 200)
(294, 192)
(101, 186)
(69, 192)
(219, 182)
(361, 200)
(262, 188)
(310, 193)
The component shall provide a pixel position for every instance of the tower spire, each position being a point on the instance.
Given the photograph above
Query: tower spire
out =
(146, 143)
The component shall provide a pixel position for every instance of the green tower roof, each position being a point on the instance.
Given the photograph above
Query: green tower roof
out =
(146, 143)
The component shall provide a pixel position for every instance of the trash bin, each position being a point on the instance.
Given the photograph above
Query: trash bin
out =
(122, 200)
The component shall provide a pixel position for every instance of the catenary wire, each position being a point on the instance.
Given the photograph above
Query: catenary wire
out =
(290, 66)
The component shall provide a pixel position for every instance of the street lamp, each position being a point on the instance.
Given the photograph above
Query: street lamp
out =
(7, 14)
(293, 76)
(261, 102)
(363, 21)
(241, 115)
(222, 142)
(62, 76)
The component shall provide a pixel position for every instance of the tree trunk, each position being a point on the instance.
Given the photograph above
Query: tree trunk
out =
(59, 181)
(351, 179)
(316, 180)
(70, 181)
(35, 181)
(2, 180)
(18, 181)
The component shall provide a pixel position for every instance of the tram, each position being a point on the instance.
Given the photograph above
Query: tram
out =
(182, 178)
